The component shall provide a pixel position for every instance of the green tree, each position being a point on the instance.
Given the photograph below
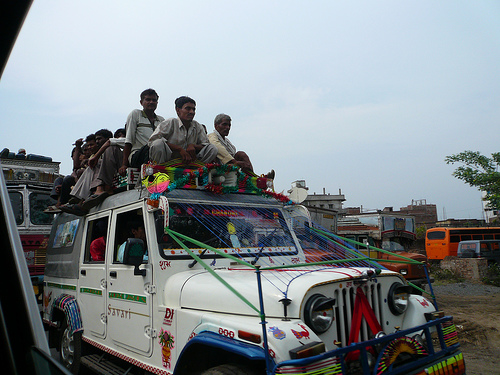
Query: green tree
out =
(481, 172)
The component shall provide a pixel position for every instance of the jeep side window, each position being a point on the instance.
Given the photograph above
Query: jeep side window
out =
(129, 225)
(95, 244)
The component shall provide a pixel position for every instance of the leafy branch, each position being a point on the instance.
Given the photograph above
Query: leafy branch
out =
(481, 172)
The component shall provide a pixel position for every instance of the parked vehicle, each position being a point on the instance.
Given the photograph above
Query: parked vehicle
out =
(488, 249)
(30, 180)
(23, 345)
(441, 242)
(215, 281)
(394, 235)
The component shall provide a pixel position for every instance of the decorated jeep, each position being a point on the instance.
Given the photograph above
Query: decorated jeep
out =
(204, 272)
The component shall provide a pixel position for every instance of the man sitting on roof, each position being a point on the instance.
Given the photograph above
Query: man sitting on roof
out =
(111, 156)
(82, 188)
(139, 127)
(181, 137)
(227, 153)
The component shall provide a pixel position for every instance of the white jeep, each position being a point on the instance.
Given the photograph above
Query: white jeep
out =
(220, 284)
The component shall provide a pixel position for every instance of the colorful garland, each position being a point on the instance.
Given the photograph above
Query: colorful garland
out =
(244, 182)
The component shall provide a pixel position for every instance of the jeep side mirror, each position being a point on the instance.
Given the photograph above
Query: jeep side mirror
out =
(134, 254)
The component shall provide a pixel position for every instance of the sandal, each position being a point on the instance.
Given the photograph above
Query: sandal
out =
(52, 210)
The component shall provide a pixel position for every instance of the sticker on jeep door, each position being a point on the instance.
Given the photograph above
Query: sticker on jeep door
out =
(167, 341)
(169, 316)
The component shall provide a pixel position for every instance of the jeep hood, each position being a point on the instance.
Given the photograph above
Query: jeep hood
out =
(202, 291)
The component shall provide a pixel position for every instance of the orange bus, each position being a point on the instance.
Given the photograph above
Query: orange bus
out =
(442, 241)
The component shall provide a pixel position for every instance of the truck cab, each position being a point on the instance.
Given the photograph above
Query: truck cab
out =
(30, 179)
(388, 237)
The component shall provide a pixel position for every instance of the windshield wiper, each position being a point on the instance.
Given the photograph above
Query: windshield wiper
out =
(191, 265)
(262, 248)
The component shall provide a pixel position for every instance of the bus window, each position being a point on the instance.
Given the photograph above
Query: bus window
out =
(466, 237)
(437, 235)
(16, 201)
(455, 238)
(477, 236)
(38, 203)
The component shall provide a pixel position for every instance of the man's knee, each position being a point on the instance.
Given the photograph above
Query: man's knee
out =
(159, 152)
(241, 155)
(209, 153)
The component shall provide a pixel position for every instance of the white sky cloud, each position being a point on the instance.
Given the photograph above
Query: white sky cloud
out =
(364, 96)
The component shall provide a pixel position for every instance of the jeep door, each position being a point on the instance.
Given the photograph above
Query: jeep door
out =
(92, 284)
(129, 308)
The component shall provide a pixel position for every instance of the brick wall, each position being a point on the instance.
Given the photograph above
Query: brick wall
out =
(472, 268)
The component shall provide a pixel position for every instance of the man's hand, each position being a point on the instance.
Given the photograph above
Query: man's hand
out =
(192, 151)
(122, 170)
(185, 156)
(79, 142)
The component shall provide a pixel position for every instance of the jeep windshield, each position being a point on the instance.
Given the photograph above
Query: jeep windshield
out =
(238, 230)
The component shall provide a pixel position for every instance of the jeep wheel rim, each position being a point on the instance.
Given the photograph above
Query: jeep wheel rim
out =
(67, 347)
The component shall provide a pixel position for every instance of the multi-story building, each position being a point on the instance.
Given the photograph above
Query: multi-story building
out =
(323, 208)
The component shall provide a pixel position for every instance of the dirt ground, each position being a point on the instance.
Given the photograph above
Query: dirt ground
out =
(478, 323)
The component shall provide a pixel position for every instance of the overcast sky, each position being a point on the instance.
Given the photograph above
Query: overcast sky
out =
(364, 96)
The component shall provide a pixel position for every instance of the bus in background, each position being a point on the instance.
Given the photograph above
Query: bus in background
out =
(30, 179)
(441, 242)
(388, 231)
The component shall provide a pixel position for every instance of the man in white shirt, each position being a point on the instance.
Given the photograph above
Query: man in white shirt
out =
(139, 127)
(129, 151)
(181, 137)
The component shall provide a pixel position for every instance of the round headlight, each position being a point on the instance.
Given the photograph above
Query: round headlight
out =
(318, 313)
(398, 298)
